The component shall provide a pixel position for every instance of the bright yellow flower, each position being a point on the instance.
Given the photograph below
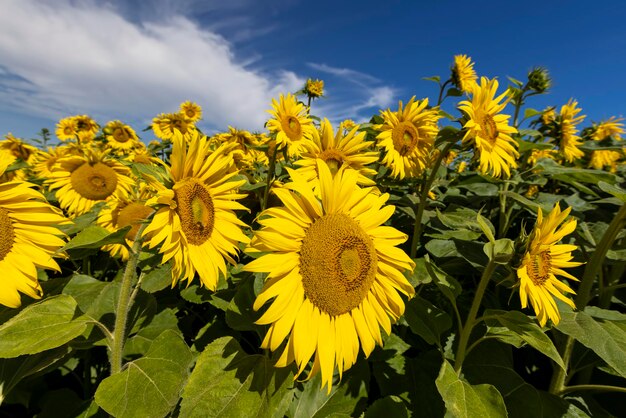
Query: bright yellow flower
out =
(82, 181)
(538, 154)
(67, 129)
(463, 74)
(195, 223)
(15, 149)
(408, 136)
(335, 273)
(243, 147)
(348, 125)
(337, 150)
(120, 137)
(46, 160)
(86, 128)
(167, 124)
(569, 140)
(191, 111)
(291, 124)
(548, 116)
(543, 260)
(612, 128)
(314, 88)
(489, 130)
(605, 158)
(29, 238)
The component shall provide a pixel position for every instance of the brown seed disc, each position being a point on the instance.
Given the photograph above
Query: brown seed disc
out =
(405, 138)
(95, 182)
(338, 264)
(539, 267)
(196, 211)
(131, 214)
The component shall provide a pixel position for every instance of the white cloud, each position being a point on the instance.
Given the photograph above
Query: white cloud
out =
(70, 58)
(359, 95)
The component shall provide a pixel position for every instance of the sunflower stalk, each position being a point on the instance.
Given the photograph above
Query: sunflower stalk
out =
(419, 212)
(471, 317)
(124, 304)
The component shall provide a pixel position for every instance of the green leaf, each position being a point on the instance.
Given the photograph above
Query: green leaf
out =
(140, 342)
(83, 221)
(226, 382)
(574, 174)
(447, 284)
(240, 315)
(157, 278)
(13, 370)
(613, 190)
(500, 251)
(343, 400)
(528, 146)
(41, 326)
(390, 406)
(95, 236)
(464, 400)
(607, 338)
(486, 227)
(531, 206)
(426, 320)
(454, 92)
(526, 329)
(434, 78)
(149, 386)
(529, 113)
(419, 275)
(84, 289)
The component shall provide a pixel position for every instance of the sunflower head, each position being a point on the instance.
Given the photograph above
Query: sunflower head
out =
(488, 129)
(543, 260)
(86, 128)
(538, 154)
(567, 131)
(167, 124)
(407, 136)
(548, 116)
(539, 79)
(120, 137)
(191, 111)
(334, 272)
(291, 124)
(463, 74)
(314, 88)
(612, 128)
(605, 158)
(67, 129)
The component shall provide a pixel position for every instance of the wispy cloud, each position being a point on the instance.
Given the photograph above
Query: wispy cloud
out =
(357, 95)
(70, 58)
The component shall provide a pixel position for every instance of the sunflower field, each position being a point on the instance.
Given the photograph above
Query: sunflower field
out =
(466, 262)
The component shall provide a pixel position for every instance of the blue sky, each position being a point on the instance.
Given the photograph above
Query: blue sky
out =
(133, 59)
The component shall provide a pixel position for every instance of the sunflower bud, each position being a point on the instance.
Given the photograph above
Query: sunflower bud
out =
(314, 88)
(539, 79)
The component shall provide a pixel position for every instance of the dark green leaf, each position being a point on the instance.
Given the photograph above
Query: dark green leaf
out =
(94, 237)
(464, 400)
(41, 326)
(501, 251)
(149, 386)
(390, 406)
(157, 278)
(613, 190)
(426, 320)
(226, 382)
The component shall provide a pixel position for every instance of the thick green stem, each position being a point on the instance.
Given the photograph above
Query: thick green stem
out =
(503, 216)
(417, 228)
(471, 317)
(270, 178)
(558, 378)
(124, 304)
(600, 388)
(441, 89)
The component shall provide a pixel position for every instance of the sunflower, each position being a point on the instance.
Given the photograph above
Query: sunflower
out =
(121, 213)
(337, 150)
(120, 137)
(82, 181)
(167, 124)
(29, 238)
(538, 154)
(243, 152)
(548, 116)
(86, 128)
(543, 260)
(191, 111)
(334, 272)
(489, 130)
(463, 74)
(314, 88)
(45, 160)
(197, 226)
(67, 129)
(408, 136)
(348, 124)
(291, 124)
(612, 128)
(14, 149)
(569, 140)
(605, 158)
